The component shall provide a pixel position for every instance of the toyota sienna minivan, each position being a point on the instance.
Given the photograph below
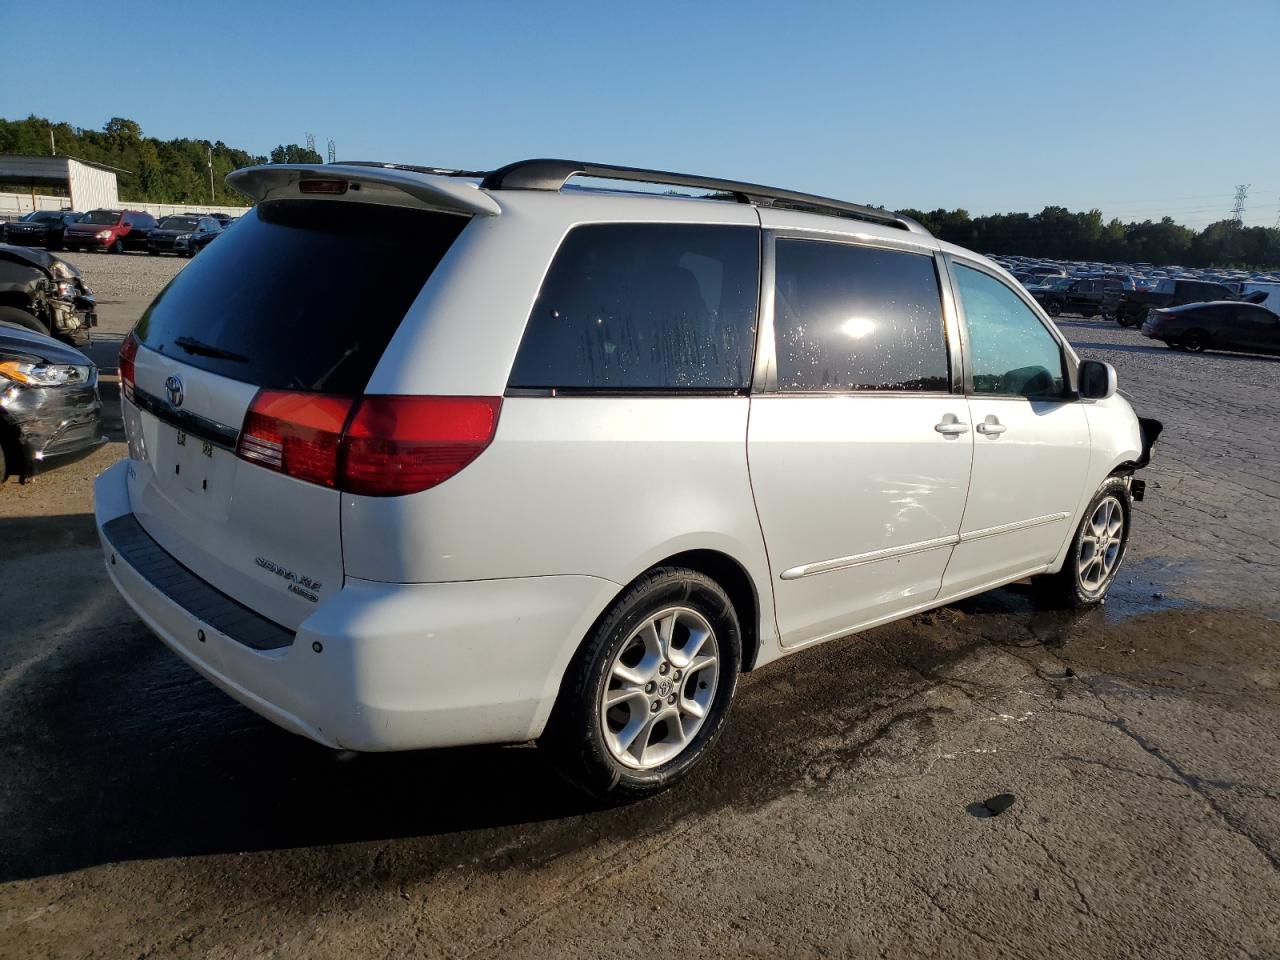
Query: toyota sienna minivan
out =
(421, 458)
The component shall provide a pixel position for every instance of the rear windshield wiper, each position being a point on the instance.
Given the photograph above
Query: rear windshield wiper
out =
(192, 345)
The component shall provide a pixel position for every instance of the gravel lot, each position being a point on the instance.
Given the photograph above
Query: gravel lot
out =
(143, 814)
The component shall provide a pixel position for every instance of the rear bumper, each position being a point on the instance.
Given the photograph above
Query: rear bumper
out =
(382, 666)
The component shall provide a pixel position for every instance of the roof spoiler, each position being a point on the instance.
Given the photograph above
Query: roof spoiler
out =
(278, 180)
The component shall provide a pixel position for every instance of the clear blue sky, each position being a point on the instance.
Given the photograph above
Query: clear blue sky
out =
(1138, 108)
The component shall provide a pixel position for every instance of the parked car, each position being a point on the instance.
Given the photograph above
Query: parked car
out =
(110, 231)
(419, 512)
(41, 228)
(51, 412)
(1086, 297)
(46, 294)
(1224, 325)
(1133, 306)
(183, 235)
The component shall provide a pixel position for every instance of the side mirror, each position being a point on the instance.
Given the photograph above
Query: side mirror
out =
(1097, 380)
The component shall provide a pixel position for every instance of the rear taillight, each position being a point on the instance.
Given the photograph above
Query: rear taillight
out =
(298, 434)
(398, 445)
(388, 446)
(128, 351)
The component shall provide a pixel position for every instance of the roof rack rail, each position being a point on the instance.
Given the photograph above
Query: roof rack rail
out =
(554, 174)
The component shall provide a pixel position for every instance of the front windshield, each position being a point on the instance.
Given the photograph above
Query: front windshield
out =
(178, 223)
(102, 217)
(46, 216)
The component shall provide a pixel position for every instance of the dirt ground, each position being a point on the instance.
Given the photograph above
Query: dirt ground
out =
(144, 814)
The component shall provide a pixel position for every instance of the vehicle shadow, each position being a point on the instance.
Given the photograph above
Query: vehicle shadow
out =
(114, 750)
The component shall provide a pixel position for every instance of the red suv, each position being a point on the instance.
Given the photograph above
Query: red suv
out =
(114, 231)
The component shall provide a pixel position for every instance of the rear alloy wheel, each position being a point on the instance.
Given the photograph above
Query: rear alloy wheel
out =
(1195, 341)
(649, 690)
(1097, 550)
(660, 688)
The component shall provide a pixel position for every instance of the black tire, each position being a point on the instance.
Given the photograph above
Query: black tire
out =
(1125, 320)
(1067, 588)
(117, 247)
(575, 736)
(153, 251)
(1195, 340)
(1054, 308)
(22, 319)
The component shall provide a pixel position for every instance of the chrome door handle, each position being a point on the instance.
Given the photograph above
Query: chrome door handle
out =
(951, 426)
(992, 427)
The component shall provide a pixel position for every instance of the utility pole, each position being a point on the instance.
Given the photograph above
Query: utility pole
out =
(210, 155)
(1242, 194)
(53, 147)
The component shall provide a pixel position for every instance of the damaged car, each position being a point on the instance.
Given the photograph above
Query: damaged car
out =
(46, 294)
(50, 408)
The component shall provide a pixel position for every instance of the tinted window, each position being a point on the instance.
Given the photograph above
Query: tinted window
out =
(645, 306)
(856, 318)
(102, 217)
(1010, 351)
(303, 295)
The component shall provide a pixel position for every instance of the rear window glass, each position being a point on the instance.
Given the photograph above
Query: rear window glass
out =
(645, 306)
(302, 295)
(848, 317)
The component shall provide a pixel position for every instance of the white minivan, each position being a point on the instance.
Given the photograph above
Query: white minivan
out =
(421, 458)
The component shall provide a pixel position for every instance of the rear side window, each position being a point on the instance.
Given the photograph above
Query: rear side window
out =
(645, 306)
(302, 295)
(848, 317)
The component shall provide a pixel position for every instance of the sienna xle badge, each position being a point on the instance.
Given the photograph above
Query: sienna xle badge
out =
(419, 459)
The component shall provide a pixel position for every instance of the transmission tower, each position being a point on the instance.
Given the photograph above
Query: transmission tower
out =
(1237, 210)
(333, 152)
(311, 142)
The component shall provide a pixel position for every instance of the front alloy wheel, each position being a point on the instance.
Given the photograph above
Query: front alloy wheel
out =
(1097, 550)
(1100, 546)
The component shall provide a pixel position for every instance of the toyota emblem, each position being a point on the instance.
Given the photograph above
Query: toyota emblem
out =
(173, 387)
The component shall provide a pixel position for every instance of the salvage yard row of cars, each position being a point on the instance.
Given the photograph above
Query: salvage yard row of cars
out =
(116, 231)
(1204, 310)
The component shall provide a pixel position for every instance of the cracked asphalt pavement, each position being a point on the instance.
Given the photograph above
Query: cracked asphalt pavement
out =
(848, 810)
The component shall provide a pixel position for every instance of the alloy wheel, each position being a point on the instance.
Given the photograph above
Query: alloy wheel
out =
(1101, 545)
(660, 688)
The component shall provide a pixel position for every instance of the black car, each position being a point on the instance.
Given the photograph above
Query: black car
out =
(46, 294)
(1134, 305)
(52, 412)
(1220, 325)
(41, 228)
(183, 234)
(1088, 296)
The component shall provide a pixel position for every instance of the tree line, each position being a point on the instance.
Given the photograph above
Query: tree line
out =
(1059, 234)
(160, 171)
